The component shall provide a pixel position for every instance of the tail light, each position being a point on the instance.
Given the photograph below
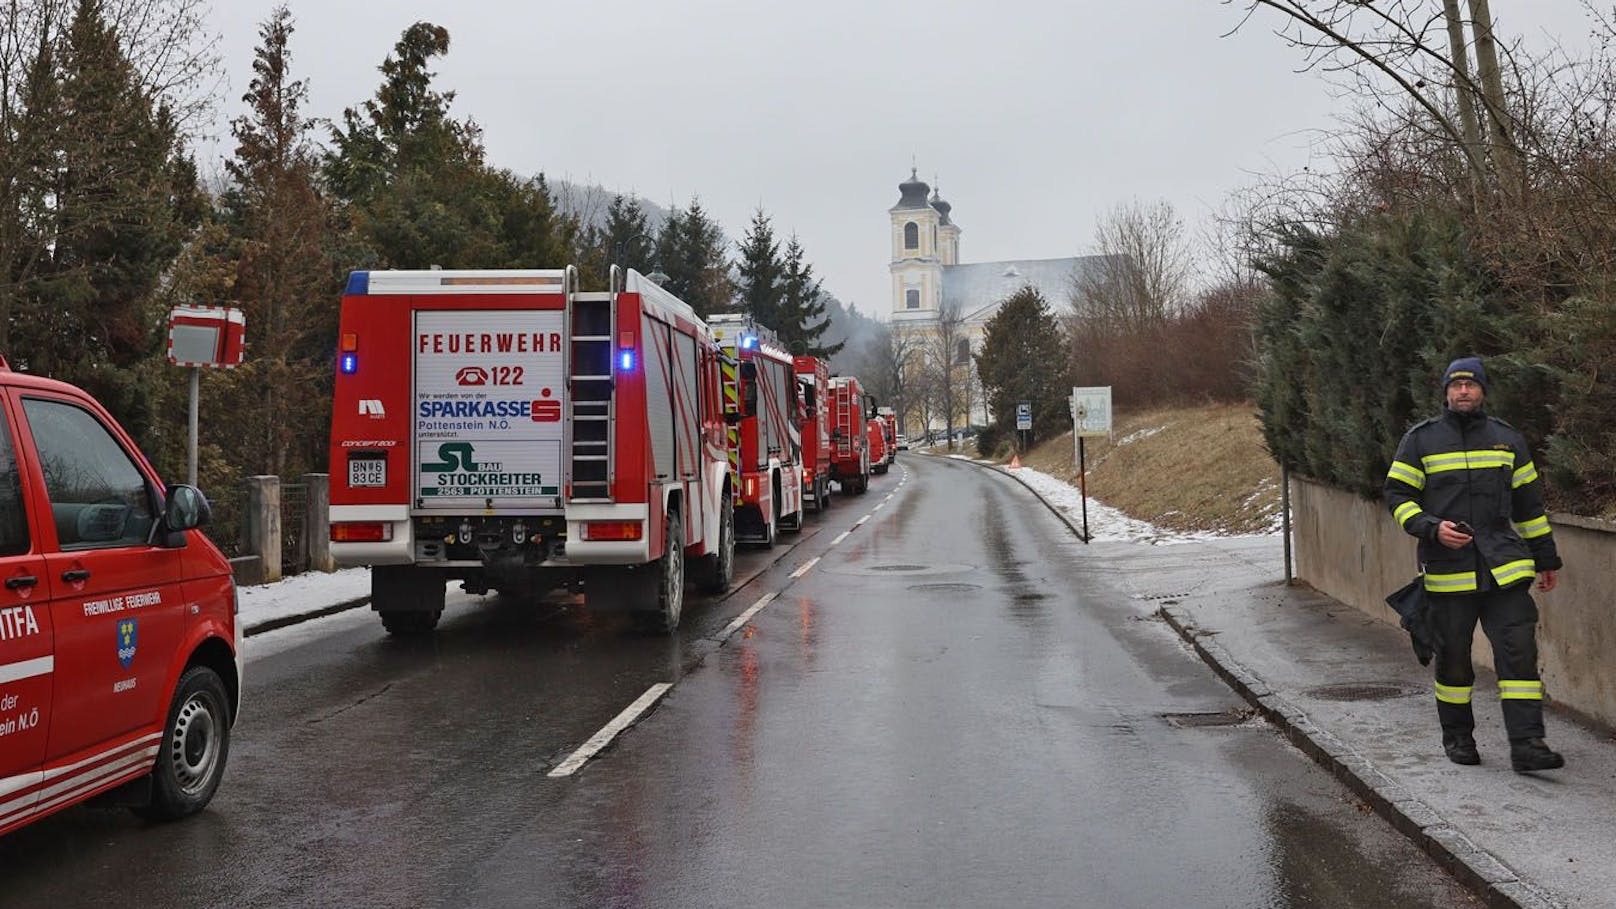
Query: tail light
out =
(612, 531)
(362, 532)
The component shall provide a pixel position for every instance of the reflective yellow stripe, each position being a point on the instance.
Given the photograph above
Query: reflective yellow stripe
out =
(1525, 475)
(1537, 527)
(1405, 512)
(1451, 583)
(1453, 694)
(1484, 459)
(1520, 690)
(1408, 473)
(1510, 572)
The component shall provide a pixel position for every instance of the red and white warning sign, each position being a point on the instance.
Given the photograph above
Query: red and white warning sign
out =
(206, 336)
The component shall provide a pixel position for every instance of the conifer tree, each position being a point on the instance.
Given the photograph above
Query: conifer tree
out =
(285, 278)
(761, 285)
(1023, 358)
(691, 249)
(802, 308)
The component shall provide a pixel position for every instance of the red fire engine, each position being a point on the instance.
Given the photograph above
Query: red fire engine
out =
(849, 440)
(813, 375)
(502, 428)
(765, 439)
(878, 445)
(889, 437)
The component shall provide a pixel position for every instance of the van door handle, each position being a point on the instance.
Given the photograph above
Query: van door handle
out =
(21, 581)
(76, 574)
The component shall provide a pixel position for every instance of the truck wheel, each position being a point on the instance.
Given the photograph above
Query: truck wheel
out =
(718, 569)
(669, 584)
(409, 599)
(194, 748)
(409, 622)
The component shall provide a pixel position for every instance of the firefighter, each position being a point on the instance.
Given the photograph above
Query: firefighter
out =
(1463, 483)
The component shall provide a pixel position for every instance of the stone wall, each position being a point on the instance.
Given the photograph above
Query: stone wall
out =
(1350, 549)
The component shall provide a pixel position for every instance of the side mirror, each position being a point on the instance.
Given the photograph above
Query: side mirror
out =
(185, 509)
(733, 417)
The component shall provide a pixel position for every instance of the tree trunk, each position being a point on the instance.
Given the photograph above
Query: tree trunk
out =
(1505, 156)
(1465, 99)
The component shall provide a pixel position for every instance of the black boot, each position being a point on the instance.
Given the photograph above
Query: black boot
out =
(1461, 748)
(1528, 755)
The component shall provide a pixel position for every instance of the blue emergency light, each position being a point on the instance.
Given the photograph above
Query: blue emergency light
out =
(748, 342)
(625, 361)
(349, 363)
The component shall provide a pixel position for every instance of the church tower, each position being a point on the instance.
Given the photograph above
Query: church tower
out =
(948, 233)
(917, 254)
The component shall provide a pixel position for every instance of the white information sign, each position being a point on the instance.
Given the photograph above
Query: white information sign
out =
(1091, 410)
(1023, 416)
(489, 399)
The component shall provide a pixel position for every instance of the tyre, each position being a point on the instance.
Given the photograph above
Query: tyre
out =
(194, 747)
(717, 569)
(409, 622)
(668, 582)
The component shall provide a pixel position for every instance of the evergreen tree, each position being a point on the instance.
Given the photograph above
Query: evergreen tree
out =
(119, 198)
(760, 287)
(627, 237)
(286, 282)
(803, 320)
(691, 249)
(1022, 359)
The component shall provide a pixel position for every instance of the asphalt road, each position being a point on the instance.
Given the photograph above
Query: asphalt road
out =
(947, 704)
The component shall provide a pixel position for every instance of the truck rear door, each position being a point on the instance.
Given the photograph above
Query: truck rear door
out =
(490, 391)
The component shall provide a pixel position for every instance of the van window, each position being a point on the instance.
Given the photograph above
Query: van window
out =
(13, 523)
(98, 496)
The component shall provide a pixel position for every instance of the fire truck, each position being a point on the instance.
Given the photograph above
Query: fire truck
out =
(889, 437)
(506, 430)
(765, 438)
(877, 431)
(849, 437)
(813, 376)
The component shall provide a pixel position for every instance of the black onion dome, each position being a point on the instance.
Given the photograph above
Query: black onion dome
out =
(914, 191)
(942, 206)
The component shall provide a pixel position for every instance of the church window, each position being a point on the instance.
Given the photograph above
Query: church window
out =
(911, 298)
(911, 236)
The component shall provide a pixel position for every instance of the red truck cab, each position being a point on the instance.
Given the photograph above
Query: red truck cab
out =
(813, 377)
(877, 429)
(120, 650)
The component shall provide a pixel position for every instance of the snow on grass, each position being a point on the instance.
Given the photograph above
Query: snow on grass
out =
(1139, 435)
(302, 593)
(1106, 524)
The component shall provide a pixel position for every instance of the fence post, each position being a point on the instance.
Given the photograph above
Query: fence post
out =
(317, 521)
(261, 525)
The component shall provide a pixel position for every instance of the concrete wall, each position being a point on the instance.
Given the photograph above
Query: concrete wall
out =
(1350, 549)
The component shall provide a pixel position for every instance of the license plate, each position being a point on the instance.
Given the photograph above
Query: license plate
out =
(367, 472)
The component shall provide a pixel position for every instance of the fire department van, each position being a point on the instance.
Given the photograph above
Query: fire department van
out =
(889, 418)
(120, 650)
(766, 438)
(878, 445)
(506, 430)
(813, 374)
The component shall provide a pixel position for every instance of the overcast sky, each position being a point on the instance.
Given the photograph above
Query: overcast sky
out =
(1034, 116)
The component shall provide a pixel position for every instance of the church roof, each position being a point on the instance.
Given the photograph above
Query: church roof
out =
(977, 289)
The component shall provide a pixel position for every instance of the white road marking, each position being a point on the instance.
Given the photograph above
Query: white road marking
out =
(807, 567)
(746, 616)
(878, 507)
(861, 521)
(608, 732)
(840, 538)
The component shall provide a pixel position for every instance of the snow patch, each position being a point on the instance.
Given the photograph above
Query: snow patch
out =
(1139, 435)
(1106, 524)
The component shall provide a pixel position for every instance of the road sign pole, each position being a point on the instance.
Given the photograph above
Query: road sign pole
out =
(196, 394)
(1083, 486)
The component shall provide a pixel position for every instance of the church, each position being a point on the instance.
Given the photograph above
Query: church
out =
(928, 278)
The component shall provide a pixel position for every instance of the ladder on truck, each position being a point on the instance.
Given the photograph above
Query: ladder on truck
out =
(591, 325)
(847, 422)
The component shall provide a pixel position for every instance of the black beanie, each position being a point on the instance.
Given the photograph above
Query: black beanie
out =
(1466, 368)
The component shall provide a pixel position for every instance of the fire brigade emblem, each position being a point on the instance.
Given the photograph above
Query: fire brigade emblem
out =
(127, 639)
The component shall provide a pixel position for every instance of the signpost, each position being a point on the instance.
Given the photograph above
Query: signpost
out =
(1023, 423)
(1091, 416)
(199, 336)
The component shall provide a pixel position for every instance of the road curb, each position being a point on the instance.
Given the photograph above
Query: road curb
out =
(286, 621)
(1495, 883)
(1477, 869)
(1076, 531)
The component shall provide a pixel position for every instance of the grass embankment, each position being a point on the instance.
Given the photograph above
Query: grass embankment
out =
(1180, 468)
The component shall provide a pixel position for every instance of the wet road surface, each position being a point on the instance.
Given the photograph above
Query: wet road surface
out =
(946, 705)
